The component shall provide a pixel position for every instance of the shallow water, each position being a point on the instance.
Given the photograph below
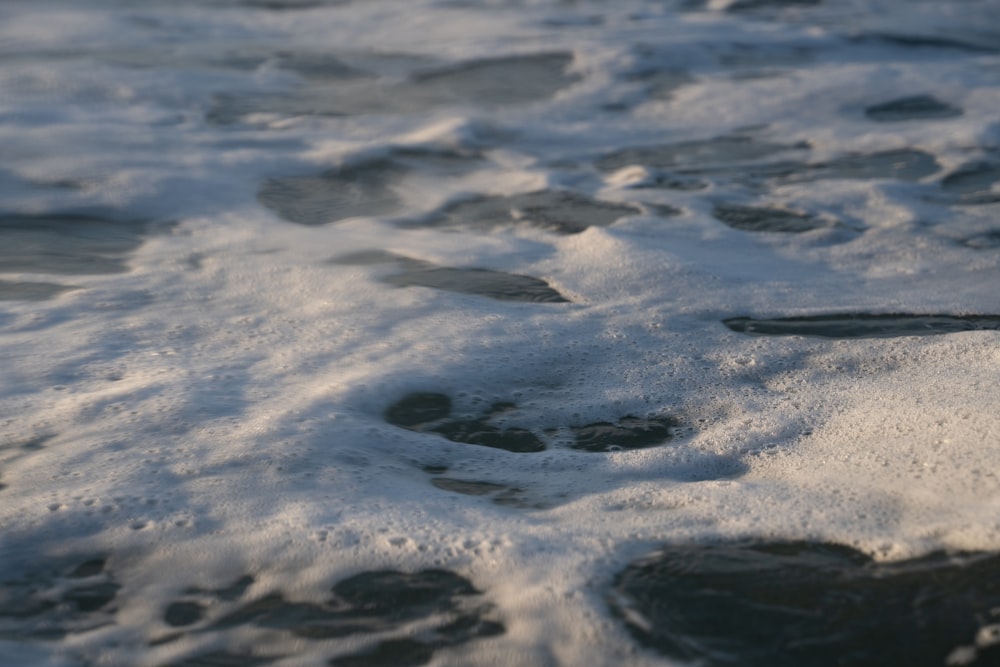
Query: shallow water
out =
(520, 332)
(486, 82)
(478, 282)
(798, 603)
(865, 325)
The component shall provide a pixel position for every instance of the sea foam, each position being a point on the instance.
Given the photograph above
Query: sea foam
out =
(362, 333)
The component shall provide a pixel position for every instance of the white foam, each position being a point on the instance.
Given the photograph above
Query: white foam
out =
(219, 409)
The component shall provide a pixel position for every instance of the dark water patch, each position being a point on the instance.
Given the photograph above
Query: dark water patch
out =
(761, 219)
(722, 150)
(338, 89)
(864, 325)
(668, 181)
(223, 659)
(380, 602)
(283, 5)
(318, 66)
(180, 614)
(88, 568)
(367, 188)
(498, 81)
(979, 198)
(302, 619)
(469, 626)
(332, 100)
(276, 5)
(754, 175)
(409, 652)
(478, 282)
(500, 494)
(31, 444)
(402, 596)
(68, 244)
(751, 5)
(429, 412)
(660, 82)
(972, 183)
(192, 609)
(49, 602)
(984, 241)
(370, 603)
(754, 61)
(913, 107)
(576, 21)
(558, 211)
(935, 42)
(468, 488)
(370, 257)
(810, 604)
(361, 190)
(418, 411)
(481, 432)
(93, 596)
(616, 106)
(12, 451)
(627, 433)
(903, 164)
(229, 108)
(664, 210)
(233, 591)
(972, 178)
(31, 291)
(403, 652)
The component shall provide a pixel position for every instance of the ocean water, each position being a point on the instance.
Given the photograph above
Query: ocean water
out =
(499, 332)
